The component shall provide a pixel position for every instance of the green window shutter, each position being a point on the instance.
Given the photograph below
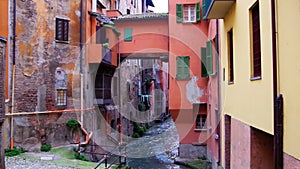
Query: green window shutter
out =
(209, 64)
(198, 11)
(203, 63)
(203, 9)
(127, 34)
(183, 68)
(179, 12)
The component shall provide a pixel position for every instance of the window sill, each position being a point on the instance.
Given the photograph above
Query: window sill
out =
(200, 130)
(255, 78)
(60, 41)
(230, 83)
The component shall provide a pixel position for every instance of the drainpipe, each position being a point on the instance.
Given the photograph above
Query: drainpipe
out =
(119, 90)
(219, 93)
(13, 77)
(278, 99)
(81, 57)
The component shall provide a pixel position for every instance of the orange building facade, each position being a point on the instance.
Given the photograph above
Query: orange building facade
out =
(4, 34)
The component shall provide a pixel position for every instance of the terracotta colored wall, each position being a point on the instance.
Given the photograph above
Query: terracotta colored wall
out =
(291, 162)
(4, 33)
(240, 145)
(185, 40)
(147, 38)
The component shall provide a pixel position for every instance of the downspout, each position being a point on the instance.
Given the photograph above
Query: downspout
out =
(277, 98)
(81, 57)
(119, 89)
(219, 93)
(13, 77)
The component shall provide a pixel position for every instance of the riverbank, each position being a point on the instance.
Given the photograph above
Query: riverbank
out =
(59, 158)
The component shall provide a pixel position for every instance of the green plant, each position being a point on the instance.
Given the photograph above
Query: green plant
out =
(135, 135)
(141, 106)
(106, 45)
(80, 157)
(46, 147)
(13, 152)
(73, 124)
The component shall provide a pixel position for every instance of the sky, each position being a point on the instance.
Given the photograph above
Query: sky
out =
(161, 6)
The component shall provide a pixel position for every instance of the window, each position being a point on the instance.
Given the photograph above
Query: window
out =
(230, 57)
(255, 43)
(201, 121)
(183, 68)
(61, 97)
(62, 29)
(128, 34)
(188, 12)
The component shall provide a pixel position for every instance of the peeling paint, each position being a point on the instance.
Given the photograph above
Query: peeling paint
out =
(193, 92)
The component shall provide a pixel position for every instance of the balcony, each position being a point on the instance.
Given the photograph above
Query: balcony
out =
(216, 9)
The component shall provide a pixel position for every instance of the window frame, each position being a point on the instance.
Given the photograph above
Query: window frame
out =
(255, 48)
(230, 56)
(180, 12)
(202, 120)
(64, 31)
(189, 13)
(61, 97)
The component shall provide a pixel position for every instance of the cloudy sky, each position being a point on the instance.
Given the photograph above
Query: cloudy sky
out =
(161, 6)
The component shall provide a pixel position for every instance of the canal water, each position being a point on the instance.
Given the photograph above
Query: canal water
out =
(156, 149)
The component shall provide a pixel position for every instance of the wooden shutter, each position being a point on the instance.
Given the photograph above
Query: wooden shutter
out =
(62, 29)
(203, 9)
(198, 11)
(183, 67)
(179, 12)
(203, 63)
(128, 34)
(209, 63)
(256, 42)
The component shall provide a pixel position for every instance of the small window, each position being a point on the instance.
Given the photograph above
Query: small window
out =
(128, 34)
(62, 30)
(230, 57)
(128, 11)
(255, 43)
(61, 97)
(183, 68)
(201, 121)
(188, 13)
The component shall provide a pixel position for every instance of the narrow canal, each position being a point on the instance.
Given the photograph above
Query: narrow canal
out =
(155, 148)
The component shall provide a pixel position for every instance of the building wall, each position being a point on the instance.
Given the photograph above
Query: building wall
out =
(184, 43)
(246, 100)
(287, 44)
(146, 38)
(38, 55)
(4, 33)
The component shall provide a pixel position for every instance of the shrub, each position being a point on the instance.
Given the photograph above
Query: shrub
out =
(13, 152)
(46, 147)
(80, 157)
(141, 106)
(73, 124)
(135, 135)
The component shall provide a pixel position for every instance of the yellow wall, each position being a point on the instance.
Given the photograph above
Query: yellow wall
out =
(289, 72)
(246, 100)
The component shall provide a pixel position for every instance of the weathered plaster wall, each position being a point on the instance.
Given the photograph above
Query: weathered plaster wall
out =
(37, 57)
